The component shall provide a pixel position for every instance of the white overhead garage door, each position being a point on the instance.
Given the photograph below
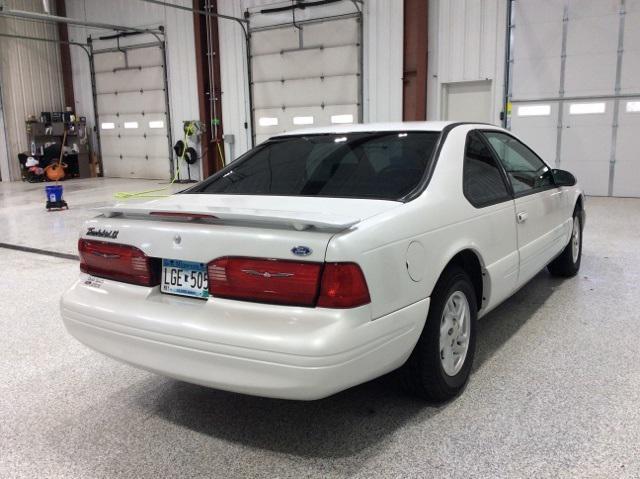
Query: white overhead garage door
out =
(131, 105)
(308, 76)
(576, 88)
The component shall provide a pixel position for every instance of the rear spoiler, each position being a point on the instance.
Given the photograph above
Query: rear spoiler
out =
(296, 219)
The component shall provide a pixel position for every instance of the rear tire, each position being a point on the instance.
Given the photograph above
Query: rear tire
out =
(568, 263)
(440, 364)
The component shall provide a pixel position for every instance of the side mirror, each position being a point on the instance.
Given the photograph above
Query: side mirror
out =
(563, 178)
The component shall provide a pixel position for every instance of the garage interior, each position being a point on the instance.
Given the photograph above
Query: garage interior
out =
(110, 88)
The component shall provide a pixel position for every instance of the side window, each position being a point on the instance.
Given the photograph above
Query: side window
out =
(483, 184)
(525, 170)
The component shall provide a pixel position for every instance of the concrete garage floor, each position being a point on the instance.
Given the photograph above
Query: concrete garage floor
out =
(25, 221)
(555, 391)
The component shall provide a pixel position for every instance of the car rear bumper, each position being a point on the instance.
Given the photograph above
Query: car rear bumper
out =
(258, 349)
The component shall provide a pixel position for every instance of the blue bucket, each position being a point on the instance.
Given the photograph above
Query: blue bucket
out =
(54, 193)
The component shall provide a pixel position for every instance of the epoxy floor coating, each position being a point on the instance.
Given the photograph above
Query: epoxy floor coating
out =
(555, 391)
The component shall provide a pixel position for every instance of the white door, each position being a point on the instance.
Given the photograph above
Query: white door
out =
(487, 189)
(308, 76)
(131, 106)
(468, 101)
(540, 210)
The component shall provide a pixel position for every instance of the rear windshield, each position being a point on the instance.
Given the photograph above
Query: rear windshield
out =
(382, 165)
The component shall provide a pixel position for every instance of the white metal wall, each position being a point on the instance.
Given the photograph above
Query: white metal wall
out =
(181, 59)
(576, 88)
(382, 62)
(30, 79)
(466, 45)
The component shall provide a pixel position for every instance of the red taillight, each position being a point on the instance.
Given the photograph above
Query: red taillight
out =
(118, 262)
(331, 285)
(343, 286)
(269, 281)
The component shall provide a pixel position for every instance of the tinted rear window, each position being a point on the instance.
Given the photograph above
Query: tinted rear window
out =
(384, 165)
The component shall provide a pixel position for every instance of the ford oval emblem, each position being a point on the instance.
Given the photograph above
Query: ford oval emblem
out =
(301, 250)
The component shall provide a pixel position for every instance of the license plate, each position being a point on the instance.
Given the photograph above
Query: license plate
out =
(185, 278)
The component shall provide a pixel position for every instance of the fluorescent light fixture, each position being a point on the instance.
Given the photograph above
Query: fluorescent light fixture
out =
(129, 125)
(402, 135)
(340, 139)
(303, 120)
(586, 108)
(342, 118)
(534, 110)
(107, 126)
(633, 107)
(268, 121)
(156, 124)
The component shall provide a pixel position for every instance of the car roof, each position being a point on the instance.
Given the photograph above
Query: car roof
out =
(371, 127)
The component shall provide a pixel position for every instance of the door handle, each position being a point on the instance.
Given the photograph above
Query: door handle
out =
(522, 216)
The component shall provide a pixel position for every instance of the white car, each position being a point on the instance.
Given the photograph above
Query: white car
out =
(326, 257)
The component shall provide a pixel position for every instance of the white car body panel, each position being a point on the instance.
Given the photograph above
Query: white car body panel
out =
(301, 352)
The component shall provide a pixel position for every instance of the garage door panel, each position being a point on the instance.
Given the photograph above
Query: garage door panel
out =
(273, 41)
(590, 74)
(593, 176)
(627, 170)
(586, 147)
(630, 74)
(134, 167)
(632, 6)
(632, 35)
(540, 11)
(311, 92)
(306, 63)
(286, 118)
(130, 80)
(132, 146)
(627, 178)
(138, 146)
(578, 9)
(109, 61)
(593, 35)
(337, 32)
(139, 57)
(145, 57)
(118, 168)
(302, 76)
(149, 101)
(586, 142)
(536, 77)
(590, 63)
(538, 40)
(539, 131)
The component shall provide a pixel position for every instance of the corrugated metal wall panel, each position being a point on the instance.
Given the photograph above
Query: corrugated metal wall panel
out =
(181, 60)
(31, 77)
(383, 46)
(233, 80)
(466, 44)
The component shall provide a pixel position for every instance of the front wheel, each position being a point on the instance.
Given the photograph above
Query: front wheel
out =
(568, 263)
(441, 361)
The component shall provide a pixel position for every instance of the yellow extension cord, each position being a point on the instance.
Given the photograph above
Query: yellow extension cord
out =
(124, 195)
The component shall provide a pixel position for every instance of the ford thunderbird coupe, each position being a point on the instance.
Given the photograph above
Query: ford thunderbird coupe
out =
(326, 257)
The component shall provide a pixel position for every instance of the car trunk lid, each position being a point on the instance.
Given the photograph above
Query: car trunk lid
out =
(203, 227)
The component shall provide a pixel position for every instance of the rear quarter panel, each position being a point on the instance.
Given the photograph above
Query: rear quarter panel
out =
(444, 223)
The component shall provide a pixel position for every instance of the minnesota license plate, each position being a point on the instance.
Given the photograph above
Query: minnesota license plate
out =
(185, 278)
